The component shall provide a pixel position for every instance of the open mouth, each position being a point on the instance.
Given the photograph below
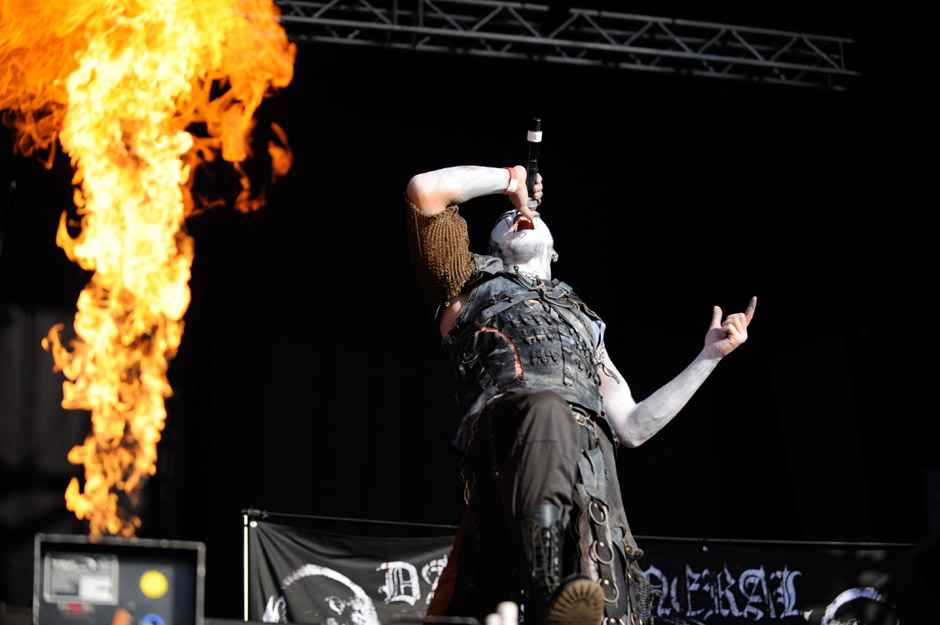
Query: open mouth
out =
(522, 223)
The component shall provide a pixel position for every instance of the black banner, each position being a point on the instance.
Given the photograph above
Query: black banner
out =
(300, 575)
(303, 575)
(717, 582)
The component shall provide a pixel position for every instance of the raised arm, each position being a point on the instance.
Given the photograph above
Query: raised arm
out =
(437, 235)
(635, 423)
(432, 192)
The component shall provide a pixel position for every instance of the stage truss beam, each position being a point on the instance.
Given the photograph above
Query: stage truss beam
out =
(538, 32)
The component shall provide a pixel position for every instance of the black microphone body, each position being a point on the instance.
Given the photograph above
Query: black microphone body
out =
(534, 137)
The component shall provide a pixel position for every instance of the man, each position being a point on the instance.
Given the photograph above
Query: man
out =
(542, 407)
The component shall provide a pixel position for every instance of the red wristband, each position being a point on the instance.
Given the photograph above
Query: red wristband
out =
(513, 181)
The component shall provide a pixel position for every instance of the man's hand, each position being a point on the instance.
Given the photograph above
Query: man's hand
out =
(635, 423)
(520, 199)
(723, 338)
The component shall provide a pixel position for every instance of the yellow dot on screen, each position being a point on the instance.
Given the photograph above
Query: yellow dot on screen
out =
(153, 584)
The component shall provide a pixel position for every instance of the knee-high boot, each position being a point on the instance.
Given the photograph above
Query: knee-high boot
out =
(549, 600)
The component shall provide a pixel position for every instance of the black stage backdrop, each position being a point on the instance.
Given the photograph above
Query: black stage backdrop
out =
(310, 380)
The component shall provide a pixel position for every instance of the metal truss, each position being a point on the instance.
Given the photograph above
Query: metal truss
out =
(539, 32)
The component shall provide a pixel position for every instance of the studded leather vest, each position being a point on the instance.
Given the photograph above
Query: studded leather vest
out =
(516, 332)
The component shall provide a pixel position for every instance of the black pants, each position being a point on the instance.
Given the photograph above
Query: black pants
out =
(531, 451)
(530, 448)
(525, 451)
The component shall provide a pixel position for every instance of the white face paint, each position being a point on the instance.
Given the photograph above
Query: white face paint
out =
(519, 245)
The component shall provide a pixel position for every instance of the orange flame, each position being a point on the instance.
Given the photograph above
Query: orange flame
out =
(119, 83)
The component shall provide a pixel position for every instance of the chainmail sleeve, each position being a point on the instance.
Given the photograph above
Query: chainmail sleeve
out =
(440, 252)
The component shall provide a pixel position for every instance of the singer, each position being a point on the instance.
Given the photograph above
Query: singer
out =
(543, 409)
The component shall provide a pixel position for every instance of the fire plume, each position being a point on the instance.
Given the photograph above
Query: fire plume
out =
(121, 84)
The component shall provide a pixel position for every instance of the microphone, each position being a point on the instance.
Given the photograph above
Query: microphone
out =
(534, 137)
